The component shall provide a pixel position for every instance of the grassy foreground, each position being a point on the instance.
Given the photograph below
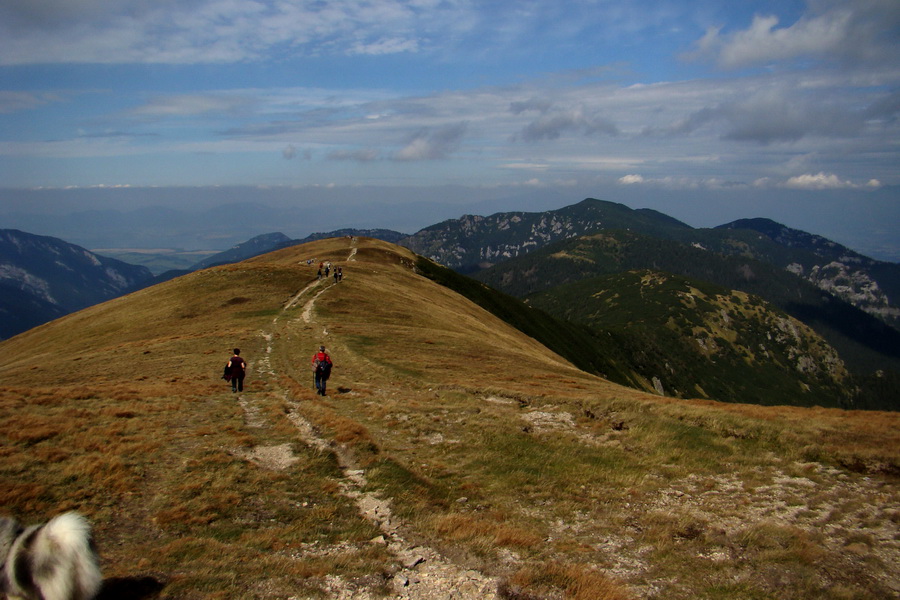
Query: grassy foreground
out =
(509, 463)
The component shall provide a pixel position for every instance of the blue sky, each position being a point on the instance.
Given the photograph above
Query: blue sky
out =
(703, 109)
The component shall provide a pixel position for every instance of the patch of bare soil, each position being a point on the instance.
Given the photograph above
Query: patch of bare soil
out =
(275, 458)
(252, 416)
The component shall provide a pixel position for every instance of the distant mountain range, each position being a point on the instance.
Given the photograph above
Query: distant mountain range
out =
(689, 338)
(675, 337)
(866, 283)
(473, 243)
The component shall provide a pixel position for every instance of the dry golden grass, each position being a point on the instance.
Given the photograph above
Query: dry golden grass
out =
(485, 531)
(579, 582)
(490, 448)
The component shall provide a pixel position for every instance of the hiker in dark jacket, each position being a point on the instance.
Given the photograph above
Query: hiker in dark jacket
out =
(321, 364)
(237, 368)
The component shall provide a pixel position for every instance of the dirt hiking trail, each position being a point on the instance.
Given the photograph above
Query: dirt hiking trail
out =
(422, 573)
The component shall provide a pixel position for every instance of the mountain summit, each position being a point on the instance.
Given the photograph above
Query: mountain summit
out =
(473, 242)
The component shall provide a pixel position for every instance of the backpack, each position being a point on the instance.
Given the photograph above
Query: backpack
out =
(227, 374)
(323, 368)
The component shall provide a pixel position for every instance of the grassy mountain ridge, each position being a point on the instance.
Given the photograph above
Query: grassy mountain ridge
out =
(269, 242)
(423, 472)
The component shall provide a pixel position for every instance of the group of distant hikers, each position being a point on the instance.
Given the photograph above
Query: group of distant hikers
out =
(325, 269)
(236, 367)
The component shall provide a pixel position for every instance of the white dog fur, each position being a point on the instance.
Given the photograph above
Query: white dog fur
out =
(53, 561)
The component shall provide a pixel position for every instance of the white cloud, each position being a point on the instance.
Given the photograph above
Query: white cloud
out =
(684, 134)
(552, 125)
(774, 111)
(825, 181)
(222, 31)
(526, 166)
(672, 182)
(77, 148)
(863, 30)
(631, 179)
(762, 42)
(808, 181)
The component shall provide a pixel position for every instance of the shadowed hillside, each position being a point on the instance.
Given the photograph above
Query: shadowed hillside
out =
(43, 278)
(453, 454)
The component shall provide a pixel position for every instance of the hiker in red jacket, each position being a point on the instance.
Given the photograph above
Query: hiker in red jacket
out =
(237, 368)
(321, 364)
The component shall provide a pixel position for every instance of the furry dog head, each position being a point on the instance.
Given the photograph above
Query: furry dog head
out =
(53, 561)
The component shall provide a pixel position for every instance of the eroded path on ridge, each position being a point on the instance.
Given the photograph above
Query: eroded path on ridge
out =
(422, 572)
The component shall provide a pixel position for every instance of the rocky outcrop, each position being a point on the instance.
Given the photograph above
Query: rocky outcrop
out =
(855, 285)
